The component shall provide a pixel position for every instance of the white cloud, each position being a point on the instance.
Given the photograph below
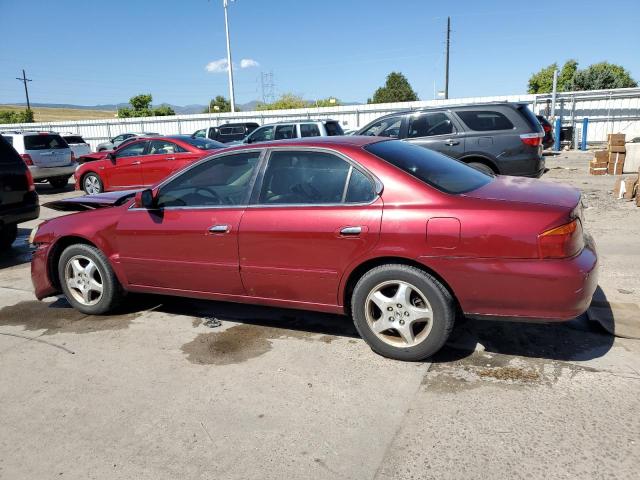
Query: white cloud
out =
(217, 66)
(220, 66)
(248, 63)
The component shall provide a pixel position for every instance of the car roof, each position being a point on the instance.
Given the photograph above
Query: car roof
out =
(321, 142)
(453, 107)
(303, 120)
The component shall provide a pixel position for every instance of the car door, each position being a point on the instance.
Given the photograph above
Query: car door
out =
(313, 214)
(163, 158)
(189, 242)
(435, 131)
(285, 132)
(124, 171)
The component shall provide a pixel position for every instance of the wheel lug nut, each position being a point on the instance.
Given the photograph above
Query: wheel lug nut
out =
(406, 314)
(399, 305)
(401, 322)
(389, 309)
(391, 319)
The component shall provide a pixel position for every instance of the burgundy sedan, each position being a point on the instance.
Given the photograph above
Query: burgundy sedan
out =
(397, 236)
(141, 162)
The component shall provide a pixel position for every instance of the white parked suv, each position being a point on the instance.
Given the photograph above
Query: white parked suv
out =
(294, 129)
(76, 143)
(46, 154)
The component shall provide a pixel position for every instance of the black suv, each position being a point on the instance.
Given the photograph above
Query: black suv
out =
(502, 137)
(18, 197)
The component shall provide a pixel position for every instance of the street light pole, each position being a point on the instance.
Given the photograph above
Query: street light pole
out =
(232, 99)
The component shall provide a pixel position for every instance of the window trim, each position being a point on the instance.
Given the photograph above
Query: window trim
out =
(257, 187)
(203, 160)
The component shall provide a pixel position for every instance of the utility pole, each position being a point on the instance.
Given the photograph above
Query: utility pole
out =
(24, 80)
(446, 68)
(232, 100)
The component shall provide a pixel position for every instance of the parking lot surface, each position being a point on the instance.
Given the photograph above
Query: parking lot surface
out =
(161, 390)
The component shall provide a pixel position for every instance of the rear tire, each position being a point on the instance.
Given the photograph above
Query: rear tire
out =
(92, 184)
(59, 182)
(8, 234)
(482, 167)
(402, 312)
(88, 281)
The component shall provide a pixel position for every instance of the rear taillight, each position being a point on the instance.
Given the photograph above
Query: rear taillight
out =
(546, 128)
(561, 242)
(27, 159)
(532, 139)
(30, 183)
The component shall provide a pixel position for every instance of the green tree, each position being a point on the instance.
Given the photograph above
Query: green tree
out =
(567, 75)
(10, 116)
(327, 102)
(163, 111)
(603, 75)
(141, 107)
(286, 102)
(542, 81)
(222, 104)
(396, 89)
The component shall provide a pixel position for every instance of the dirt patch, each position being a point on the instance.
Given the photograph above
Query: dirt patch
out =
(59, 317)
(510, 373)
(241, 343)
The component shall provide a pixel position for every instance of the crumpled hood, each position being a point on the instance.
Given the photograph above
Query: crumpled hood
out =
(91, 202)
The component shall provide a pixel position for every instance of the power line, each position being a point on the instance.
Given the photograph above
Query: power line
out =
(24, 80)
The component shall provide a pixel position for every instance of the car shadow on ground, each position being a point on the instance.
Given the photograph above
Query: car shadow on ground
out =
(20, 251)
(44, 189)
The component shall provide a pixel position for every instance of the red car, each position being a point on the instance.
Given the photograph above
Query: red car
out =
(398, 236)
(140, 163)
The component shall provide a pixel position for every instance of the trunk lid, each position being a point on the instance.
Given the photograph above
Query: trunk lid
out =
(527, 190)
(92, 202)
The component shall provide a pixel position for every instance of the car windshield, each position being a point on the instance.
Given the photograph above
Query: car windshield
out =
(433, 168)
(203, 143)
(44, 141)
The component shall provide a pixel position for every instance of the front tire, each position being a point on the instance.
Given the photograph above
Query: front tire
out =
(402, 312)
(88, 281)
(92, 184)
(8, 235)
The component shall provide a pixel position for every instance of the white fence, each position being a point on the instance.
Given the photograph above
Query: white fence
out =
(608, 111)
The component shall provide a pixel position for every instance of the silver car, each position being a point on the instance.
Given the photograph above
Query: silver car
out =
(46, 154)
(115, 141)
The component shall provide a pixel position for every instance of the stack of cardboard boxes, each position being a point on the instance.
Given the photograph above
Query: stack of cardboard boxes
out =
(611, 160)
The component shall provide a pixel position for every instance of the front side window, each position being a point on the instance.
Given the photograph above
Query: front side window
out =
(429, 124)
(200, 133)
(263, 134)
(309, 130)
(387, 127)
(284, 132)
(117, 139)
(222, 181)
(131, 150)
(484, 121)
(309, 178)
(433, 168)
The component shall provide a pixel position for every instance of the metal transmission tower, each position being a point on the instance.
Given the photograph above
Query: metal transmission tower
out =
(446, 68)
(24, 80)
(268, 87)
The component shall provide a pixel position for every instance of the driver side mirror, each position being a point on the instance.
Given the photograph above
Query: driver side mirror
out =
(111, 156)
(146, 199)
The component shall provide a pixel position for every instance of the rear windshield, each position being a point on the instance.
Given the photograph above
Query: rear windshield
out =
(232, 130)
(8, 154)
(333, 129)
(485, 120)
(203, 143)
(44, 142)
(74, 139)
(433, 168)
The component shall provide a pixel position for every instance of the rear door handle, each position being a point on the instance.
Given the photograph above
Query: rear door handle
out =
(351, 231)
(219, 228)
(451, 143)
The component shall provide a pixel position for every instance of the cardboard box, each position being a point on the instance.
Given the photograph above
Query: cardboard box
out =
(616, 163)
(616, 138)
(595, 163)
(598, 171)
(625, 187)
(617, 149)
(601, 155)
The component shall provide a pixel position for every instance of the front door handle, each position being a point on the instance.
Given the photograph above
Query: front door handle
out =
(171, 158)
(451, 143)
(135, 163)
(351, 231)
(220, 228)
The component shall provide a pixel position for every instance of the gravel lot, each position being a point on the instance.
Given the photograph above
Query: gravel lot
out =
(155, 393)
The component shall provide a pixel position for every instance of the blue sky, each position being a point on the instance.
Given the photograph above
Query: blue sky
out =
(93, 52)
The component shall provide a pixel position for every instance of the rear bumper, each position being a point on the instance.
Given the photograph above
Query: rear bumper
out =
(42, 284)
(554, 289)
(42, 173)
(19, 214)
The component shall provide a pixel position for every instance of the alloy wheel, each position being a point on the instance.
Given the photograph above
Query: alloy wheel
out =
(398, 313)
(91, 184)
(84, 280)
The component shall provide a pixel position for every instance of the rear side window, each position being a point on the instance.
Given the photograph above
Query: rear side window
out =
(485, 120)
(433, 168)
(333, 129)
(309, 130)
(44, 142)
(429, 124)
(8, 154)
(203, 143)
(74, 139)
